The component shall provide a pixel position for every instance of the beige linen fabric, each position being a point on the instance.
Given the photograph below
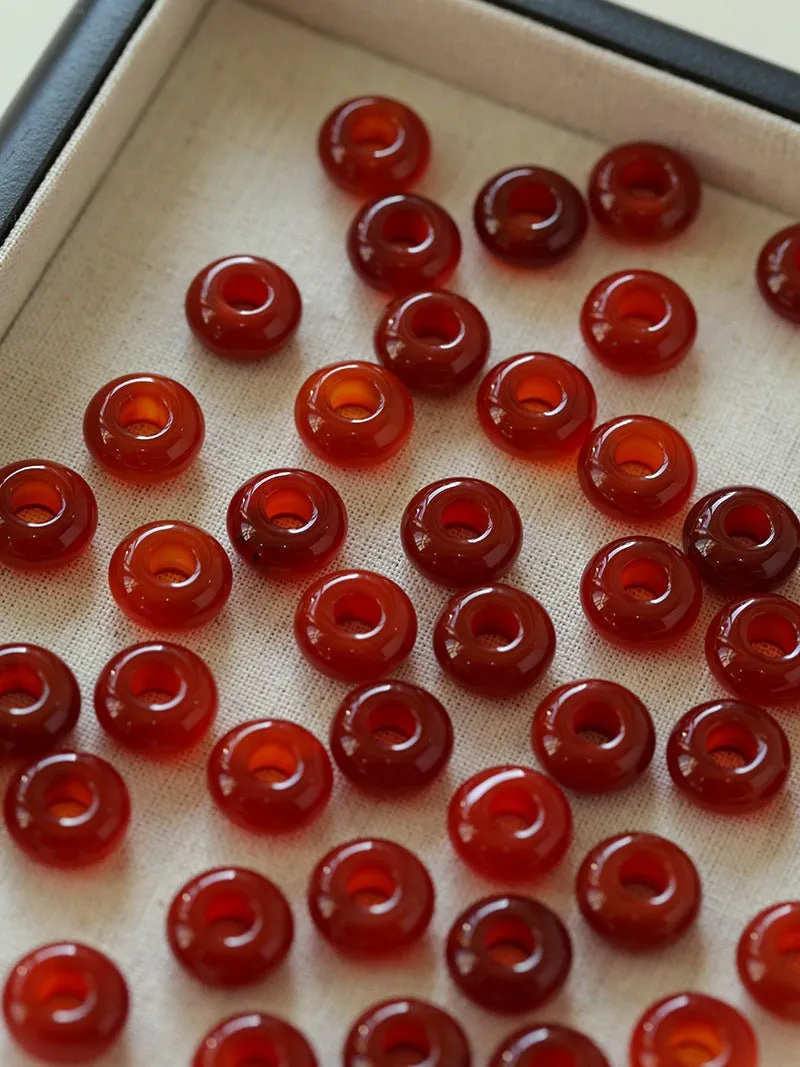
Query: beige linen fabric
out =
(224, 161)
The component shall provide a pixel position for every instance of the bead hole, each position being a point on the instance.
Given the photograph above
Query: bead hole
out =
(646, 179)
(255, 1052)
(640, 308)
(513, 810)
(69, 799)
(538, 394)
(406, 229)
(598, 724)
(788, 946)
(749, 526)
(773, 637)
(465, 520)
(36, 502)
(510, 943)
(156, 684)
(644, 579)
(393, 725)
(371, 887)
(644, 876)
(640, 456)
(246, 293)
(20, 688)
(531, 203)
(272, 763)
(358, 614)
(289, 509)
(172, 563)
(144, 415)
(230, 917)
(406, 1045)
(496, 627)
(695, 1045)
(731, 746)
(373, 133)
(355, 400)
(436, 325)
(64, 993)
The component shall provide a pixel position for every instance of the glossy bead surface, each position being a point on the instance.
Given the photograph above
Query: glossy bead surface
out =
(65, 1003)
(692, 1024)
(353, 414)
(508, 953)
(170, 576)
(39, 700)
(778, 273)
(48, 515)
(391, 737)
(536, 406)
(593, 736)
(510, 823)
(742, 540)
(530, 216)
(285, 523)
(640, 592)
(753, 648)
(254, 1038)
(386, 1031)
(638, 322)
(373, 145)
(229, 927)
(436, 342)
(644, 192)
(156, 698)
(638, 891)
(728, 756)
(355, 626)
(243, 308)
(494, 640)
(270, 776)
(143, 427)
(637, 467)
(461, 532)
(403, 243)
(767, 959)
(370, 897)
(547, 1043)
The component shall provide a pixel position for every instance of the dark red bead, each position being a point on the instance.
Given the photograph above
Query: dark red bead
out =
(753, 648)
(436, 342)
(65, 1003)
(39, 700)
(767, 959)
(243, 308)
(355, 626)
(170, 576)
(373, 145)
(638, 322)
(70, 809)
(778, 273)
(229, 927)
(640, 592)
(48, 515)
(391, 1032)
(354, 414)
(510, 823)
(693, 1025)
(156, 698)
(370, 897)
(403, 243)
(285, 523)
(644, 192)
(536, 406)
(270, 776)
(530, 216)
(742, 540)
(461, 532)
(254, 1038)
(508, 953)
(391, 737)
(593, 736)
(547, 1045)
(143, 427)
(637, 467)
(494, 640)
(728, 756)
(638, 891)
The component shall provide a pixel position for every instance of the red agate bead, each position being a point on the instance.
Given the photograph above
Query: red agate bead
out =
(547, 1043)
(239, 1038)
(767, 959)
(692, 1024)
(39, 699)
(778, 273)
(387, 1032)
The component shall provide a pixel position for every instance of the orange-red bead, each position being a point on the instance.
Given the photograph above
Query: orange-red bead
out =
(143, 427)
(353, 414)
(510, 823)
(388, 1031)
(65, 1003)
(373, 145)
(156, 698)
(355, 626)
(48, 515)
(435, 341)
(41, 700)
(767, 959)
(285, 523)
(243, 308)
(403, 243)
(637, 467)
(254, 1037)
(370, 897)
(270, 776)
(170, 576)
(229, 927)
(547, 1043)
(692, 1024)
(778, 273)
(753, 648)
(644, 192)
(536, 406)
(638, 322)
